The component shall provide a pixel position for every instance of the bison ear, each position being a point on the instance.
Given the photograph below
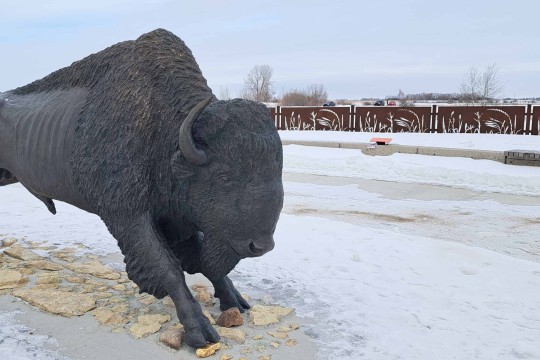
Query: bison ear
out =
(180, 167)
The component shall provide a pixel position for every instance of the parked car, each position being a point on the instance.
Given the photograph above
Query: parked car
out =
(379, 103)
(329, 103)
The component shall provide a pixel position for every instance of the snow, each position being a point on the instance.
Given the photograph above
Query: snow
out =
(17, 342)
(481, 175)
(374, 276)
(493, 142)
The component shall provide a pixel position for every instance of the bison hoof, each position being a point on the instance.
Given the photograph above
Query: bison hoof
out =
(198, 338)
(238, 302)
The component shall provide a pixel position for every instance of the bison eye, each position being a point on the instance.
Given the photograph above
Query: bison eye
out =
(224, 178)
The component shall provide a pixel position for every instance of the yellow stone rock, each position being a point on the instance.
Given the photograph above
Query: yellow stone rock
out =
(261, 315)
(199, 287)
(19, 252)
(43, 265)
(48, 278)
(208, 350)
(8, 241)
(119, 287)
(11, 279)
(121, 308)
(274, 344)
(75, 279)
(209, 317)
(58, 302)
(101, 295)
(205, 297)
(142, 330)
(94, 268)
(151, 318)
(147, 300)
(261, 348)
(225, 357)
(291, 342)
(246, 350)
(46, 286)
(278, 334)
(284, 328)
(265, 357)
(27, 271)
(117, 300)
(294, 326)
(245, 296)
(236, 335)
(88, 288)
(108, 317)
(257, 337)
(167, 301)
(35, 244)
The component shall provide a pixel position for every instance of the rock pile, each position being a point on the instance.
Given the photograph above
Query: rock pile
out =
(60, 282)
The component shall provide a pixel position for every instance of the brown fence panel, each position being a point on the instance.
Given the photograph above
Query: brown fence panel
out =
(336, 118)
(535, 121)
(273, 114)
(392, 119)
(481, 119)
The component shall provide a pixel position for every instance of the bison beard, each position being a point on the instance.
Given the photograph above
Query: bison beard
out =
(217, 259)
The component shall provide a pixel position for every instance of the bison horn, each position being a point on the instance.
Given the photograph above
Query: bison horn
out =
(188, 148)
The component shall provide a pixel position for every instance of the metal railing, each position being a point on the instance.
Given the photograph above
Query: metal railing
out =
(512, 119)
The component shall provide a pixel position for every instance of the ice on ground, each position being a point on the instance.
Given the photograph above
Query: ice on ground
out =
(18, 342)
(379, 294)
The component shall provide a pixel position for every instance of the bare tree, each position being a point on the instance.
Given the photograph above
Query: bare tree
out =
(224, 93)
(491, 86)
(317, 94)
(258, 85)
(481, 86)
(470, 86)
(313, 95)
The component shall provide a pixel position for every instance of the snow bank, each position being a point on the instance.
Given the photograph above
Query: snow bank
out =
(480, 175)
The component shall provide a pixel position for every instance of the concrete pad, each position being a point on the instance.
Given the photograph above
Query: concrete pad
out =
(385, 150)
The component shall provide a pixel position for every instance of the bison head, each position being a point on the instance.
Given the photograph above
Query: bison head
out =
(230, 163)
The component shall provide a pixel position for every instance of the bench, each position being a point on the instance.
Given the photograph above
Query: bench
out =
(522, 157)
(381, 141)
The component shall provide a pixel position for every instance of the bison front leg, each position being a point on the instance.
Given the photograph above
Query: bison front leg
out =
(228, 296)
(154, 268)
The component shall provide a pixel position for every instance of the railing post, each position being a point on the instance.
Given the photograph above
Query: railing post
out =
(278, 118)
(351, 119)
(528, 128)
(433, 119)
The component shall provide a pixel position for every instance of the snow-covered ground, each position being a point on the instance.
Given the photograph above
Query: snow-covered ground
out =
(407, 276)
(495, 142)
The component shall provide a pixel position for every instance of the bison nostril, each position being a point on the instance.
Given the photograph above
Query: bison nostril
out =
(260, 247)
(254, 248)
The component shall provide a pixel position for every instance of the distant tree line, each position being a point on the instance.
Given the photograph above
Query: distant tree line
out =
(477, 87)
(312, 95)
(428, 96)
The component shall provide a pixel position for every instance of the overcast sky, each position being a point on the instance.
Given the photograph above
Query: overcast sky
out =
(354, 48)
